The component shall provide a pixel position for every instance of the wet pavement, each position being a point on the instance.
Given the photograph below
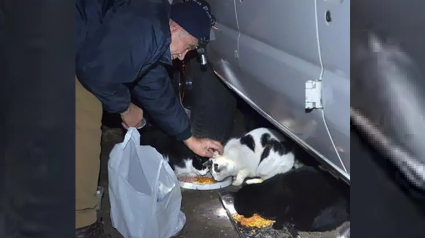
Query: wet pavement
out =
(205, 215)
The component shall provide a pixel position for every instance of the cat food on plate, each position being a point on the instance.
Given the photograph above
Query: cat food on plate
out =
(206, 182)
(199, 180)
(256, 221)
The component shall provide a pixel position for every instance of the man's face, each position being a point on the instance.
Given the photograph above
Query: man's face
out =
(181, 42)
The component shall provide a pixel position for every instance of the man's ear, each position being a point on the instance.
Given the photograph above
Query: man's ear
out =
(174, 27)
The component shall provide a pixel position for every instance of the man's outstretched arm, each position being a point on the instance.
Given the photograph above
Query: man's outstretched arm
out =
(157, 96)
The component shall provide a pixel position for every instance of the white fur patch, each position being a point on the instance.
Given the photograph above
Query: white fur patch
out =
(298, 164)
(254, 181)
(241, 162)
(188, 169)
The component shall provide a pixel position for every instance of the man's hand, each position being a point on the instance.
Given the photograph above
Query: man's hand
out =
(204, 147)
(132, 117)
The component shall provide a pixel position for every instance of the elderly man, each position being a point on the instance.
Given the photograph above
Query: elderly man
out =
(123, 48)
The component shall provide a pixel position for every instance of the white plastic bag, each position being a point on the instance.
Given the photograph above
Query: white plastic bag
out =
(144, 191)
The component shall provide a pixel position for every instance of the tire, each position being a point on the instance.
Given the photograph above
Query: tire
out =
(212, 105)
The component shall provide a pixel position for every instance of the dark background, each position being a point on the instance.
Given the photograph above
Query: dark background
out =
(38, 131)
(383, 203)
(37, 124)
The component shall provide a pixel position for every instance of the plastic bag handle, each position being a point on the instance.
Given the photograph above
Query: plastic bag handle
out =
(132, 134)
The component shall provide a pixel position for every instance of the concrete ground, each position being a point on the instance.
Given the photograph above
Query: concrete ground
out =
(204, 212)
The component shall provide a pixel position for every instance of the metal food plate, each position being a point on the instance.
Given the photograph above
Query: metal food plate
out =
(214, 186)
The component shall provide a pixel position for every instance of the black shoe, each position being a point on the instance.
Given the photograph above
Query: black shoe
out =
(93, 231)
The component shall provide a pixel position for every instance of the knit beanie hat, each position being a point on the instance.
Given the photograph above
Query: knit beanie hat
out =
(195, 17)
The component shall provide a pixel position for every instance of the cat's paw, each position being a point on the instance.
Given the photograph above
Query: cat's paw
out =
(254, 181)
(203, 172)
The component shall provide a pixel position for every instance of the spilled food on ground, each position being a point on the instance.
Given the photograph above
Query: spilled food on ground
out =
(256, 221)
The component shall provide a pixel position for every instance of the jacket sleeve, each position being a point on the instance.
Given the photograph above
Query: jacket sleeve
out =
(106, 61)
(157, 96)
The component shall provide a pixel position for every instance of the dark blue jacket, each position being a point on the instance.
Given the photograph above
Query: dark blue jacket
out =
(123, 42)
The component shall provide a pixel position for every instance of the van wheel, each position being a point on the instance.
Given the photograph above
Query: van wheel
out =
(208, 101)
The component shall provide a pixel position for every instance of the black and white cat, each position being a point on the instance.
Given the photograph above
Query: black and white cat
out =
(181, 159)
(260, 153)
(305, 199)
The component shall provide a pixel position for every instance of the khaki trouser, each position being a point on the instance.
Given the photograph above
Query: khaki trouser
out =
(88, 135)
